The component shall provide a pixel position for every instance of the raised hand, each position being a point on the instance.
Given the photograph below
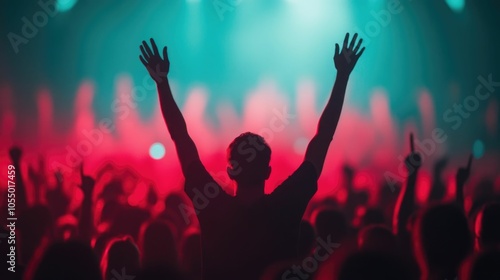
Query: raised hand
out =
(346, 59)
(440, 165)
(157, 66)
(15, 154)
(413, 161)
(348, 172)
(464, 173)
(88, 182)
(405, 205)
(85, 224)
(344, 62)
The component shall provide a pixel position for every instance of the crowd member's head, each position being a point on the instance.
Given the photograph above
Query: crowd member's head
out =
(377, 238)
(129, 221)
(487, 227)
(157, 245)
(442, 240)
(191, 254)
(174, 212)
(484, 266)
(373, 266)
(112, 191)
(110, 209)
(331, 224)
(248, 160)
(66, 260)
(121, 256)
(100, 243)
(66, 228)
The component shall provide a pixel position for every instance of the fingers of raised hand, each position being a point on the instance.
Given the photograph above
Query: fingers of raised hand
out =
(346, 40)
(351, 49)
(144, 53)
(155, 48)
(165, 56)
(147, 48)
(354, 48)
(358, 46)
(143, 60)
(351, 45)
(15, 153)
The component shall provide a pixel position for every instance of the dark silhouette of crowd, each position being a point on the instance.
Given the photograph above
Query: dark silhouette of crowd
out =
(206, 233)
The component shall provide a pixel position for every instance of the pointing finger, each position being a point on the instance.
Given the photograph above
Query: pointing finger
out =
(412, 145)
(469, 163)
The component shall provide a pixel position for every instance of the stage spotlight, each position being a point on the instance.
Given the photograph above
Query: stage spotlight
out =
(157, 151)
(65, 5)
(478, 149)
(456, 5)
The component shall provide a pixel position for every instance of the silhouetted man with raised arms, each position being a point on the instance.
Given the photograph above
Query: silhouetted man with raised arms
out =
(243, 234)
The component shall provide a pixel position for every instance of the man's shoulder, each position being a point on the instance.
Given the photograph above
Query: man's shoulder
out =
(305, 173)
(301, 184)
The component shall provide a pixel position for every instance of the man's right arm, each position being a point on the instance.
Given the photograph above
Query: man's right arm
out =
(158, 68)
(345, 59)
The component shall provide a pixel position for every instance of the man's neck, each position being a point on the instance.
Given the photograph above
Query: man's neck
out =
(249, 194)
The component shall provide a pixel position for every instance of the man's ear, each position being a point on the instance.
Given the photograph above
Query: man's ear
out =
(268, 172)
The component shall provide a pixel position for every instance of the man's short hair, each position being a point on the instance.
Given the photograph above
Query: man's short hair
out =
(250, 152)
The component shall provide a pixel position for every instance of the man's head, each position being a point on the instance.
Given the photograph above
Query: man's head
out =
(442, 238)
(248, 159)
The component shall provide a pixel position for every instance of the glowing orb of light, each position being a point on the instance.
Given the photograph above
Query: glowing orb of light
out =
(157, 151)
(65, 5)
(456, 5)
(300, 145)
(478, 149)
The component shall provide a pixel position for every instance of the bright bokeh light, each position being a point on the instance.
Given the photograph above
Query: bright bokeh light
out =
(300, 145)
(456, 5)
(478, 149)
(157, 151)
(313, 17)
(65, 5)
